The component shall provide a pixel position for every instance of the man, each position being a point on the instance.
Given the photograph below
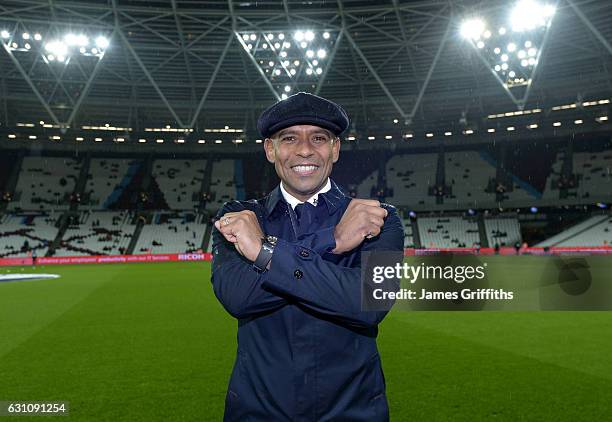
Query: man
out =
(288, 268)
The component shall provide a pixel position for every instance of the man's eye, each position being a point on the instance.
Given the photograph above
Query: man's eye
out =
(319, 139)
(288, 139)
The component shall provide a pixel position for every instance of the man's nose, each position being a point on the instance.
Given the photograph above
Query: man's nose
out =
(304, 148)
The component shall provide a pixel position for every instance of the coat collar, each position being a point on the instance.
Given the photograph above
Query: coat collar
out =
(333, 198)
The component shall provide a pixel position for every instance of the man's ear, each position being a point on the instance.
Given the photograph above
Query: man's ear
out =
(269, 149)
(336, 149)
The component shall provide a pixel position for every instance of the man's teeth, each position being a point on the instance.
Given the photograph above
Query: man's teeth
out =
(304, 169)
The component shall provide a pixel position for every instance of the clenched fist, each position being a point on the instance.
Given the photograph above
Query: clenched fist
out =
(363, 218)
(243, 230)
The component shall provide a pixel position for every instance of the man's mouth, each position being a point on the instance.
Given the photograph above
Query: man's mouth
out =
(305, 169)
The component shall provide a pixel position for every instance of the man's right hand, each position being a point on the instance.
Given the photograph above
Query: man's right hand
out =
(363, 218)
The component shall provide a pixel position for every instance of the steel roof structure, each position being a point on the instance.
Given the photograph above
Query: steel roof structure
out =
(182, 63)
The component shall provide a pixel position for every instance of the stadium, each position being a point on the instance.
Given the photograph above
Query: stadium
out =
(126, 125)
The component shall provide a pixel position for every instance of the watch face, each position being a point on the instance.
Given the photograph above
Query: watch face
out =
(272, 239)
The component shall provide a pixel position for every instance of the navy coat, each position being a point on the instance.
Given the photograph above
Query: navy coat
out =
(306, 350)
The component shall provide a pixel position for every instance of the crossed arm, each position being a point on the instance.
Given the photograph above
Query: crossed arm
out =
(298, 272)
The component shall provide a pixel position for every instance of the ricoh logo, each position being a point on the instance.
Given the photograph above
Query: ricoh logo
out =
(191, 257)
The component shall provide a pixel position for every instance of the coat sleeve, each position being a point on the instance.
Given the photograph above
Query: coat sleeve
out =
(300, 273)
(235, 282)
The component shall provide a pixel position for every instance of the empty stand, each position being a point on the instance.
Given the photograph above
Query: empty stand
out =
(448, 232)
(45, 183)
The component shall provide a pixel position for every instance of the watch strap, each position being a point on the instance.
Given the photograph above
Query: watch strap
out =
(264, 257)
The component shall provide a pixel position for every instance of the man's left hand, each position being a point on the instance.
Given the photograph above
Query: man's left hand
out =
(243, 230)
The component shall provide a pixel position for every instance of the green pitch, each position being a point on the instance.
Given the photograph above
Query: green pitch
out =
(144, 342)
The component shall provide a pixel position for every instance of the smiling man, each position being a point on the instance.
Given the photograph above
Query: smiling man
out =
(288, 267)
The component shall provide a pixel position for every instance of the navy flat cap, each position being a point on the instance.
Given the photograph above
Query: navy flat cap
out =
(302, 109)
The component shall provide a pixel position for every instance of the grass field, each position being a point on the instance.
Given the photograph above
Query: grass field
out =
(144, 342)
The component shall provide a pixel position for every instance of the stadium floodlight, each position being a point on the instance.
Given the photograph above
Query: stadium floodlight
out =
(321, 53)
(286, 44)
(497, 68)
(396, 121)
(557, 124)
(33, 137)
(315, 62)
(201, 141)
(79, 139)
(521, 54)
(448, 133)
(303, 44)
(253, 37)
(310, 54)
(578, 122)
(502, 31)
(388, 137)
(245, 37)
(309, 71)
(326, 35)
(27, 46)
(512, 74)
(159, 141)
(50, 57)
(264, 46)
(371, 138)
(480, 44)
(102, 42)
(504, 66)
(97, 139)
(504, 57)
(472, 28)
(529, 14)
(491, 130)
(25, 35)
(524, 63)
(283, 54)
(296, 62)
(12, 136)
(37, 37)
(284, 97)
(511, 47)
(281, 36)
(319, 71)
(270, 63)
(258, 141)
(287, 88)
(79, 40)
(277, 45)
(57, 48)
(292, 72)
(298, 36)
(533, 126)
(309, 36)
(510, 128)
(429, 135)
(497, 50)
(270, 36)
(5, 34)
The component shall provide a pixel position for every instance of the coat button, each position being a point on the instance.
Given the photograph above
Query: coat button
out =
(298, 274)
(304, 253)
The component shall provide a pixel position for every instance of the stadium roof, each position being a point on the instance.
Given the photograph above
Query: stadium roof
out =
(188, 64)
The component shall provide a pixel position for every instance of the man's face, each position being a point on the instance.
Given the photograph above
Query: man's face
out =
(303, 156)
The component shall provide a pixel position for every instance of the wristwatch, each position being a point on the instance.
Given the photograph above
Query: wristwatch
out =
(265, 254)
